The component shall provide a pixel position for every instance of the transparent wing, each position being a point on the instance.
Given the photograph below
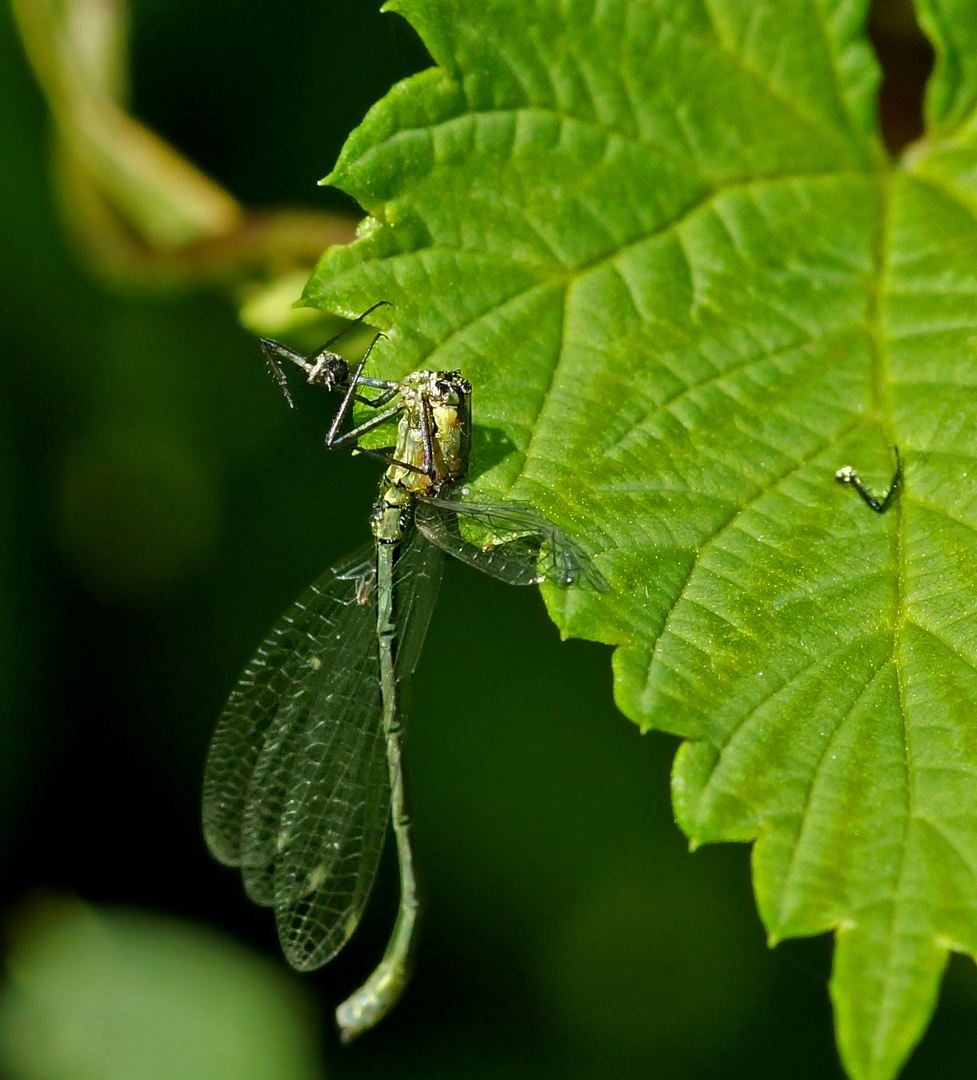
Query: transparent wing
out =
(521, 546)
(321, 883)
(296, 790)
(286, 659)
(417, 578)
(318, 793)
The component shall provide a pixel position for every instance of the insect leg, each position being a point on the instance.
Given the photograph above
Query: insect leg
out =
(847, 475)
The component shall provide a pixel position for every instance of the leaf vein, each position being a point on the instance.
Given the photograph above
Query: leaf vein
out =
(738, 510)
(818, 129)
(939, 639)
(786, 908)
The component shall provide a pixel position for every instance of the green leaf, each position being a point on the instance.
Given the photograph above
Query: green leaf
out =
(663, 241)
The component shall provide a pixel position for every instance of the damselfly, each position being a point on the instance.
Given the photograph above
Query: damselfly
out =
(305, 767)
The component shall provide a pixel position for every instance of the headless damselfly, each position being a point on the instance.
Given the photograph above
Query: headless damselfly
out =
(304, 771)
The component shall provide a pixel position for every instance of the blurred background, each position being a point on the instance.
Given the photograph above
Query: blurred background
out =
(160, 506)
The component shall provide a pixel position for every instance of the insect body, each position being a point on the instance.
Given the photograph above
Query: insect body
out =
(305, 766)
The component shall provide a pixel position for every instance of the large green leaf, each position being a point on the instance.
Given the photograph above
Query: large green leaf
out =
(662, 239)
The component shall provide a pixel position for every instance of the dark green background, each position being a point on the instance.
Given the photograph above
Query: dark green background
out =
(159, 506)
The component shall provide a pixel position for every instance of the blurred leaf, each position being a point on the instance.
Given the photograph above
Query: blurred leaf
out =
(144, 214)
(121, 995)
(663, 242)
(77, 48)
(271, 310)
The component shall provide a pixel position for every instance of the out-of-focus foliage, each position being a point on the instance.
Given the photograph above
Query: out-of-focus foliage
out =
(142, 212)
(121, 995)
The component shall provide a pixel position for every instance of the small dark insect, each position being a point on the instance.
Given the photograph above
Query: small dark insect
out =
(847, 475)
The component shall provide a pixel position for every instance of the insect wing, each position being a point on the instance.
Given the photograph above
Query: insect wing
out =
(282, 662)
(514, 561)
(537, 549)
(296, 789)
(305, 793)
(417, 578)
(335, 814)
(322, 869)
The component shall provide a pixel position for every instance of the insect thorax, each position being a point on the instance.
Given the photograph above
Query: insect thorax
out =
(436, 404)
